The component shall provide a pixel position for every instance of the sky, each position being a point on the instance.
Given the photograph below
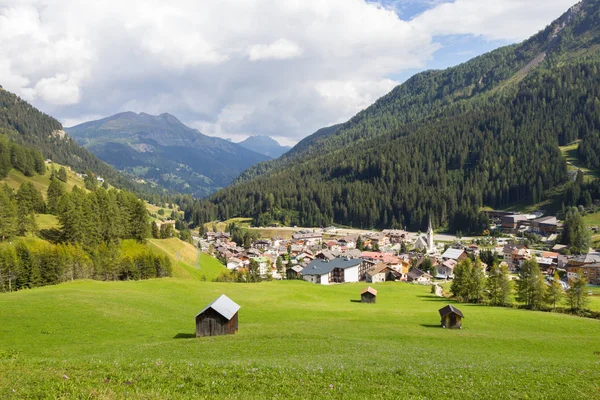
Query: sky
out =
(235, 68)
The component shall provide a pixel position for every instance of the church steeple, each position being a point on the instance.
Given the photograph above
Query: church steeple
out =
(430, 244)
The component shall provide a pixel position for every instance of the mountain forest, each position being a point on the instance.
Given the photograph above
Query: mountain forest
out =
(443, 144)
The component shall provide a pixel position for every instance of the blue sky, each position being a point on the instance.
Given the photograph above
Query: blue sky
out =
(232, 68)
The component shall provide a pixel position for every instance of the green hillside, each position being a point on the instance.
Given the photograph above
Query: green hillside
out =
(26, 125)
(188, 262)
(444, 143)
(296, 340)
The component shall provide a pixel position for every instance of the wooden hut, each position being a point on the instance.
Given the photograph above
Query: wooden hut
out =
(369, 295)
(451, 317)
(218, 318)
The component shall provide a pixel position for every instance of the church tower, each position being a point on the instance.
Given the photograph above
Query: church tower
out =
(430, 244)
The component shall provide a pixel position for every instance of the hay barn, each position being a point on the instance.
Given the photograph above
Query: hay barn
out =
(218, 318)
(451, 317)
(369, 295)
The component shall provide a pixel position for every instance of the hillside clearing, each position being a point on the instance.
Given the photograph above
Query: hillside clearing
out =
(187, 262)
(296, 340)
(573, 163)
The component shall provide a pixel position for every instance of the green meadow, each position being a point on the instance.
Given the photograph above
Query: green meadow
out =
(135, 339)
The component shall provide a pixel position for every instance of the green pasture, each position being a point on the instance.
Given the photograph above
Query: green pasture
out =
(135, 339)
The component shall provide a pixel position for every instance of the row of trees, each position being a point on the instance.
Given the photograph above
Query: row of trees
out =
(12, 155)
(28, 265)
(470, 285)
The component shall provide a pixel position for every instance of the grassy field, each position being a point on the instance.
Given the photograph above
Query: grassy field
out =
(46, 221)
(296, 340)
(187, 262)
(592, 219)
(573, 162)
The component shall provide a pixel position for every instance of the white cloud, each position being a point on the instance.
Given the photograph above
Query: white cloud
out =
(494, 19)
(279, 50)
(234, 68)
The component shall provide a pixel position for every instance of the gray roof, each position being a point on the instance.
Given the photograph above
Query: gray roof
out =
(450, 309)
(224, 306)
(453, 253)
(322, 267)
(588, 258)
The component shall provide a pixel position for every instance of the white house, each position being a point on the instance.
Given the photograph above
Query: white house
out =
(338, 270)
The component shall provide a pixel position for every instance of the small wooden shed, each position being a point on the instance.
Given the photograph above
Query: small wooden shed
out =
(451, 317)
(218, 318)
(369, 295)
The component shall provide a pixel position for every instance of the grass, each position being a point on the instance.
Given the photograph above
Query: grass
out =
(221, 225)
(592, 219)
(41, 182)
(90, 339)
(573, 163)
(46, 221)
(188, 262)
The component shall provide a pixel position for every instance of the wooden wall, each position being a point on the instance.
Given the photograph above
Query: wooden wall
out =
(211, 323)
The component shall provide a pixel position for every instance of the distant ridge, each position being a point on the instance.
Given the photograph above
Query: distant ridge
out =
(265, 145)
(162, 150)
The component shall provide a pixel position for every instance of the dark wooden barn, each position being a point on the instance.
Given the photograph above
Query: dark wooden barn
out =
(369, 295)
(218, 318)
(451, 317)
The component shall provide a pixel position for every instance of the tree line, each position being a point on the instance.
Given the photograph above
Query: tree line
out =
(88, 244)
(471, 285)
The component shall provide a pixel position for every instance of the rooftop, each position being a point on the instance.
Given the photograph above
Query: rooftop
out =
(450, 309)
(322, 267)
(453, 253)
(224, 306)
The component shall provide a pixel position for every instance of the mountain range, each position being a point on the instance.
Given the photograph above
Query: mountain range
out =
(444, 143)
(162, 150)
(264, 145)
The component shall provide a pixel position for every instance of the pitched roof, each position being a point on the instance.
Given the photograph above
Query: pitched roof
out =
(322, 267)
(415, 273)
(450, 264)
(377, 269)
(450, 309)
(369, 290)
(224, 306)
(453, 253)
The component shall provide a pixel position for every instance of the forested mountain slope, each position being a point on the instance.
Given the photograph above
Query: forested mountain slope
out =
(444, 143)
(24, 124)
(164, 151)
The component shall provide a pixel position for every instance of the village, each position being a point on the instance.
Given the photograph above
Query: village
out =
(326, 256)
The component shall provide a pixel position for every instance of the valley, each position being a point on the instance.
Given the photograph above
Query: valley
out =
(435, 237)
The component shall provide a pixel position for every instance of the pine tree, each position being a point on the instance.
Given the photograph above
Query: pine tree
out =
(62, 174)
(155, 231)
(577, 292)
(8, 213)
(477, 282)
(554, 292)
(575, 234)
(460, 283)
(498, 284)
(55, 191)
(531, 287)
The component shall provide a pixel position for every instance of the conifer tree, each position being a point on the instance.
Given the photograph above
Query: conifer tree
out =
(62, 174)
(554, 292)
(55, 191)
(531, 287)
(498, 284)
(8, 213)
(577, 292)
